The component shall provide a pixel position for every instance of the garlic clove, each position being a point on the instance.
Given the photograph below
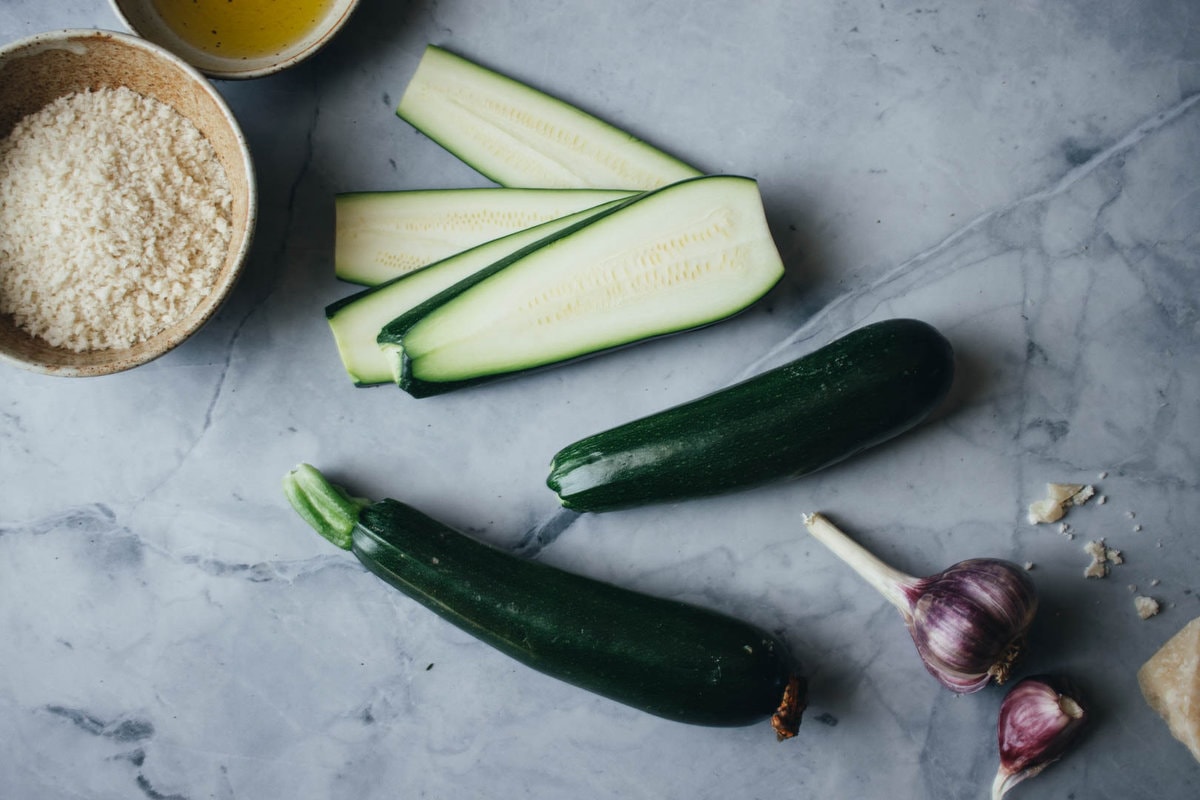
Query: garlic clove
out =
(1040, 719)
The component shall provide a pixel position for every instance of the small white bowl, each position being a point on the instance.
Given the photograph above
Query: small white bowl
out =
(36, 71)
(142, 17)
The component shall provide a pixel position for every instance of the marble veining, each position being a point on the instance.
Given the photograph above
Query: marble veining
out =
(1024, 176)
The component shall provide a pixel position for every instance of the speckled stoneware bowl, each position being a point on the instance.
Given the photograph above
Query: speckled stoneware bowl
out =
(142, 17)
(37, 70)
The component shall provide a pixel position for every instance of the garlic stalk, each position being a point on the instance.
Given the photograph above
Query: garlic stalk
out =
(968, 621)
(1040, 718)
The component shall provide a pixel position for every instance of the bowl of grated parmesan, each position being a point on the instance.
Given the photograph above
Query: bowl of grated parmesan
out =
(127, 202)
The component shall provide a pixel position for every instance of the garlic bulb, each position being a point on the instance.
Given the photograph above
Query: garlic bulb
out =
(968, 621)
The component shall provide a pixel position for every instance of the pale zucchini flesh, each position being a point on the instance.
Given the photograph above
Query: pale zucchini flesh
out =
(685, 256)
(520, 136)
(356, 320)
(383, 235)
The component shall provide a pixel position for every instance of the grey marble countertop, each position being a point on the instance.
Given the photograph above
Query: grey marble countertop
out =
(1024, 175)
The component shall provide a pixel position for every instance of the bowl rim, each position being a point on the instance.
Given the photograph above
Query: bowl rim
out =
(220, 291)
(267, 69)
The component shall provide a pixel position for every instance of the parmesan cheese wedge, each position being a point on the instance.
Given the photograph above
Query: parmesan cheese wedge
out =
(1170, 682)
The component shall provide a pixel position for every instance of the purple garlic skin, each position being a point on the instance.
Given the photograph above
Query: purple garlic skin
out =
(1041, 717)
(969, 621)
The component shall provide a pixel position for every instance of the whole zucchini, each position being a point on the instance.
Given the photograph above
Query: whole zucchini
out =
(668, 658)
(856, 392)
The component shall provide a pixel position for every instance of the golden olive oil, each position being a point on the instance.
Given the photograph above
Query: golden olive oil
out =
(242, 28)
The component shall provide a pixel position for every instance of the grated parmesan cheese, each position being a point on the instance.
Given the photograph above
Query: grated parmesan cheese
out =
(115, 218)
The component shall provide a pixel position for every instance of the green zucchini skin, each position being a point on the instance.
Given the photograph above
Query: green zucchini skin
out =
(667, 658)
(856, 392)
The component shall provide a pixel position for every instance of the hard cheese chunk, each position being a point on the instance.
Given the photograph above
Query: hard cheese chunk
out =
(1170, 682)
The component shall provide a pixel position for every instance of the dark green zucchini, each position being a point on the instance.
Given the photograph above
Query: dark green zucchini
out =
(861, 390)
(664, 657)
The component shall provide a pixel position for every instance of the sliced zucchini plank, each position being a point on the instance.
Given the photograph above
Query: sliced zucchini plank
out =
(356, 320)
(383, 235)
(665, 261)
(519, 136)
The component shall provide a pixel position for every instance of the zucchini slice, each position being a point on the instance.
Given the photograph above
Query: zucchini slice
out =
(862, 389)
(356, 320)
(519, 136)
(667, 658)
(383, 235)
(684, 256)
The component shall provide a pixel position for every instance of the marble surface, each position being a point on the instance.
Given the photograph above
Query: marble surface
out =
(1025, 176)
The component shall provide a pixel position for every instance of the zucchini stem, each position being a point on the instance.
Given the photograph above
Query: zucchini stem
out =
(328, 508)
(786, 719)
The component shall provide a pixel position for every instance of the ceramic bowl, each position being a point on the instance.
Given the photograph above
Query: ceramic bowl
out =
(142, 17)
(36, 71)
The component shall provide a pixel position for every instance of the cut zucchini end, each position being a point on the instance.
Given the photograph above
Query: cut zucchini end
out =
(402, 374)
(360, 357)
(327, 508)
(394, 353)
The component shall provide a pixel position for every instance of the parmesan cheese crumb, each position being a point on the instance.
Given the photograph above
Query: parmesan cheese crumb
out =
(1062, 492)
(1047, 510)
(1102, 557)
(1059, 497)
(1146, 607)
(1099, 566)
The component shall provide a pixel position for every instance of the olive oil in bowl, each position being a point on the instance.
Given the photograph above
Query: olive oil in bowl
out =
(244, 29)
